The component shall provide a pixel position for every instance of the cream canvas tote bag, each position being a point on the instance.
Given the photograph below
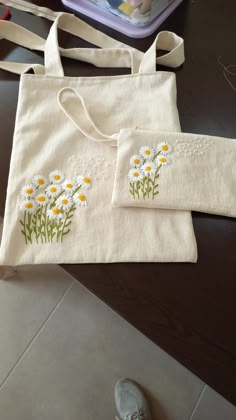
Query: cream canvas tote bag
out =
(58, 207)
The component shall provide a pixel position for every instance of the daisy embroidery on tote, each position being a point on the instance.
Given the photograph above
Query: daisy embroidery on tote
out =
(48, 207)
(145, 170)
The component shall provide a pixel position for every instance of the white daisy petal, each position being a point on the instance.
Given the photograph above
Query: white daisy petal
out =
(42, 199)
(135, 175)
(28, 191)
(136, 161)
(147, 152)
(162, 160)
(69, 186)
(164, 148)
(80, 199)
(55, 213)
(56, 177)
(84, 181)
(29, 205)
(39, 181)
(149, 168)
(53, 190)
(64, 202)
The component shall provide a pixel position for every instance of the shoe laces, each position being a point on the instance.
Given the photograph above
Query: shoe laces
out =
(138, 414)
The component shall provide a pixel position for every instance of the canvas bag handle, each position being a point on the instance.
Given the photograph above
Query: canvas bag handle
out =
(165, 41)
(114, 53)
(84, 123)
(107, 57)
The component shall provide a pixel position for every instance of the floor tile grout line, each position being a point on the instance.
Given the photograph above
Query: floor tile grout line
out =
(37, 333)
(198, 402)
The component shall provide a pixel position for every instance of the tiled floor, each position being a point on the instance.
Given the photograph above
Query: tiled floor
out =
(62, 350)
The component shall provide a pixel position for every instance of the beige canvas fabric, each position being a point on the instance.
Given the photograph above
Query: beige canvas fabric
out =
(183, 171)
(58, 207)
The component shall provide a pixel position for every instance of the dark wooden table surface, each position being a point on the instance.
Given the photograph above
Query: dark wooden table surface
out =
(187, 309)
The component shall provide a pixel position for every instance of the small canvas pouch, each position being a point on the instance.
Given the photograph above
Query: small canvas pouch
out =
(175, 171)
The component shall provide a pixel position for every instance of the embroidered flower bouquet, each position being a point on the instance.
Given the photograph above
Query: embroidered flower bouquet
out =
(175, 171)
(48, 206)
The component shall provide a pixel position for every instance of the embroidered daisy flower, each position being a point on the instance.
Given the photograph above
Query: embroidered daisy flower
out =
(28, 191)
(149, 168)
(162, 160)
(147, 152)
(28, 205)
(64, 202)
(41, 199)
(56, 177)
(55, 213)
(39, 181)
(80, 199)
(69, 186)
(135, 175)
(53, 190)
(136, 161)
(85, 182)
(164, 148)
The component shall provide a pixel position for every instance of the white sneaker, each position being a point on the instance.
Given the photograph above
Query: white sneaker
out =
(130, 402)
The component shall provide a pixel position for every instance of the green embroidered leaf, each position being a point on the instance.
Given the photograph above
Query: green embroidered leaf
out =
(22, 223)
(65, 232)
(23, 232)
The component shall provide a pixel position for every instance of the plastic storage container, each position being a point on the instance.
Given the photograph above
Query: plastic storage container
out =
(135, 18)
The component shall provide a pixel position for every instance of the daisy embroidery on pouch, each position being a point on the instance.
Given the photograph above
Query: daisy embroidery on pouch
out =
(41, 199)
(53, 190)
(162, 160)
(164, 148)
(145, 170)
(147, 152)
(80, 199)
(135, 175)
(55, 213)
(69, 186)
(39, 181)
(28, 205)
(47, 209)
(64, 201)
(28, 191)
(149, 168)
(84, 182)
(56, 177)
(136, 161)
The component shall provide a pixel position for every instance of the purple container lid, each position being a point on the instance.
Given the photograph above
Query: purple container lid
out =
(114, 22)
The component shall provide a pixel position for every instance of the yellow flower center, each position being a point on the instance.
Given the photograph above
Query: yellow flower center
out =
(165, 147)
(136, 161)
(56, 211)
(87, 180)
(147, 152)
(41, 181)
(29, 206)
(42, 198)
(29, 191)
(65, 202)
(136, 174)
(148, 168)
(53, 189)
(82, 197)
(69, 185)
(162, 159)
(57, 177)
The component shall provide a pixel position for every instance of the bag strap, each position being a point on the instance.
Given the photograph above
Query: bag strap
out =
(81, 117)
(112, 54)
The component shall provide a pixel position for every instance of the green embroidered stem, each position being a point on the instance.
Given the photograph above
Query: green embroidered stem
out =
(28, 228)
(154, 184)
(67, 221)
(54, 202)
(131, 190)
(77, 189)
(23, 230)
